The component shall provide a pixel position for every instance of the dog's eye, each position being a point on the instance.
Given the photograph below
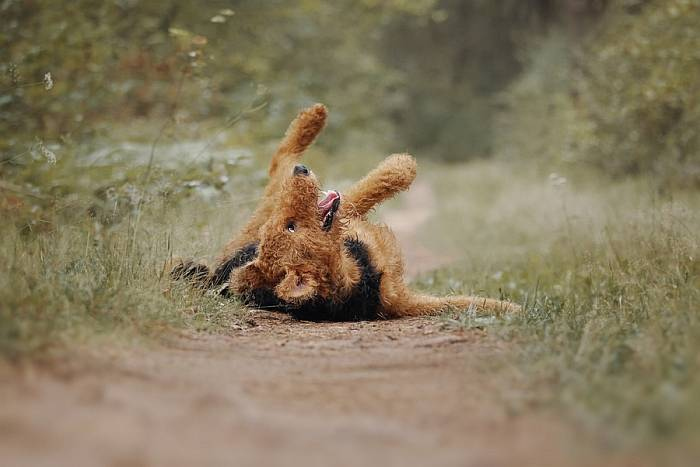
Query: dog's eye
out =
(291, 226)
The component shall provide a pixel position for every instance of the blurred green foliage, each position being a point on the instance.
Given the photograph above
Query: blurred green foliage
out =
(625, 100)
(608, 83)
(640, 89)
(116, 60)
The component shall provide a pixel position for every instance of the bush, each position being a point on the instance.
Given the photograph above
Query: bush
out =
(625, 101)
(639, 87)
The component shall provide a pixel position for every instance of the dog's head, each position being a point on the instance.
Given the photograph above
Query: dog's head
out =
(300, 244)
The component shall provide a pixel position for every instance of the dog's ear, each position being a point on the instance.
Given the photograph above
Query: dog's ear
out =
(247, 278)
(296, 287)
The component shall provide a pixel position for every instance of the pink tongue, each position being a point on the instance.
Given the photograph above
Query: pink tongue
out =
(326, 203)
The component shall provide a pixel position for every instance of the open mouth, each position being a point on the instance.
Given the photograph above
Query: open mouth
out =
(327, 207)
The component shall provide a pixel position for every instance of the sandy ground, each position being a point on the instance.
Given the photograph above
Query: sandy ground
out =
(280, 392)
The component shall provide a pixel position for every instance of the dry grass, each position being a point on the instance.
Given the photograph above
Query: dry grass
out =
(89, 265)
(610, 275)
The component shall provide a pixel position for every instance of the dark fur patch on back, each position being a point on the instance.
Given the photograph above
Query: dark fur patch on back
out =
(362, 304)
(259, 298)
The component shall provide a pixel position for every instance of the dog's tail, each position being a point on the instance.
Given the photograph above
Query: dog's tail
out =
(299, 136)
(418, 305)
(481, 305)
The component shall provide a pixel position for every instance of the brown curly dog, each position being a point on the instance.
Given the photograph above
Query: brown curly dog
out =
(323, 260)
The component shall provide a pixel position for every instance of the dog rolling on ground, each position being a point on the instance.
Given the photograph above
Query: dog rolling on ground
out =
(323, 260)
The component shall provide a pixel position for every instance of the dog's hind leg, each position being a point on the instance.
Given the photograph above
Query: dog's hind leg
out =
(392, 175)
(299, 136)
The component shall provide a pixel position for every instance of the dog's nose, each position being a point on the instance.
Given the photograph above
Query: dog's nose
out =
(301, 170)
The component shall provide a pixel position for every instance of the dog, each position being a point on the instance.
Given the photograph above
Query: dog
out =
(323, 260)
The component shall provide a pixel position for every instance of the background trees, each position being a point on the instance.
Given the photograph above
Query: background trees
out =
(607, 84)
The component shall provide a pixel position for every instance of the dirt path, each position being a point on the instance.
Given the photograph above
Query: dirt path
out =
(279, 392)
(406, 222)
(284, 393)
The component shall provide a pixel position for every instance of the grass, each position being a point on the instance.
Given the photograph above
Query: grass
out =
(85, 245)
(610, 277)
(79, 281)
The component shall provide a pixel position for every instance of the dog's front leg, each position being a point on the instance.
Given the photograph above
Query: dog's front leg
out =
(392, 175)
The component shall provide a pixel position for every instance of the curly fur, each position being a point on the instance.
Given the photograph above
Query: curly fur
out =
(285, 259)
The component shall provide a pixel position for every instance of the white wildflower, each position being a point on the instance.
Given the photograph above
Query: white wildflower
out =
(46, 153)
(49, 155)
(439, 16)
(261, 90)
(133, 195)
(13, 74)
(48, 81)
(111, 194)
(227, 12)
(218, 19)
(557, 180)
